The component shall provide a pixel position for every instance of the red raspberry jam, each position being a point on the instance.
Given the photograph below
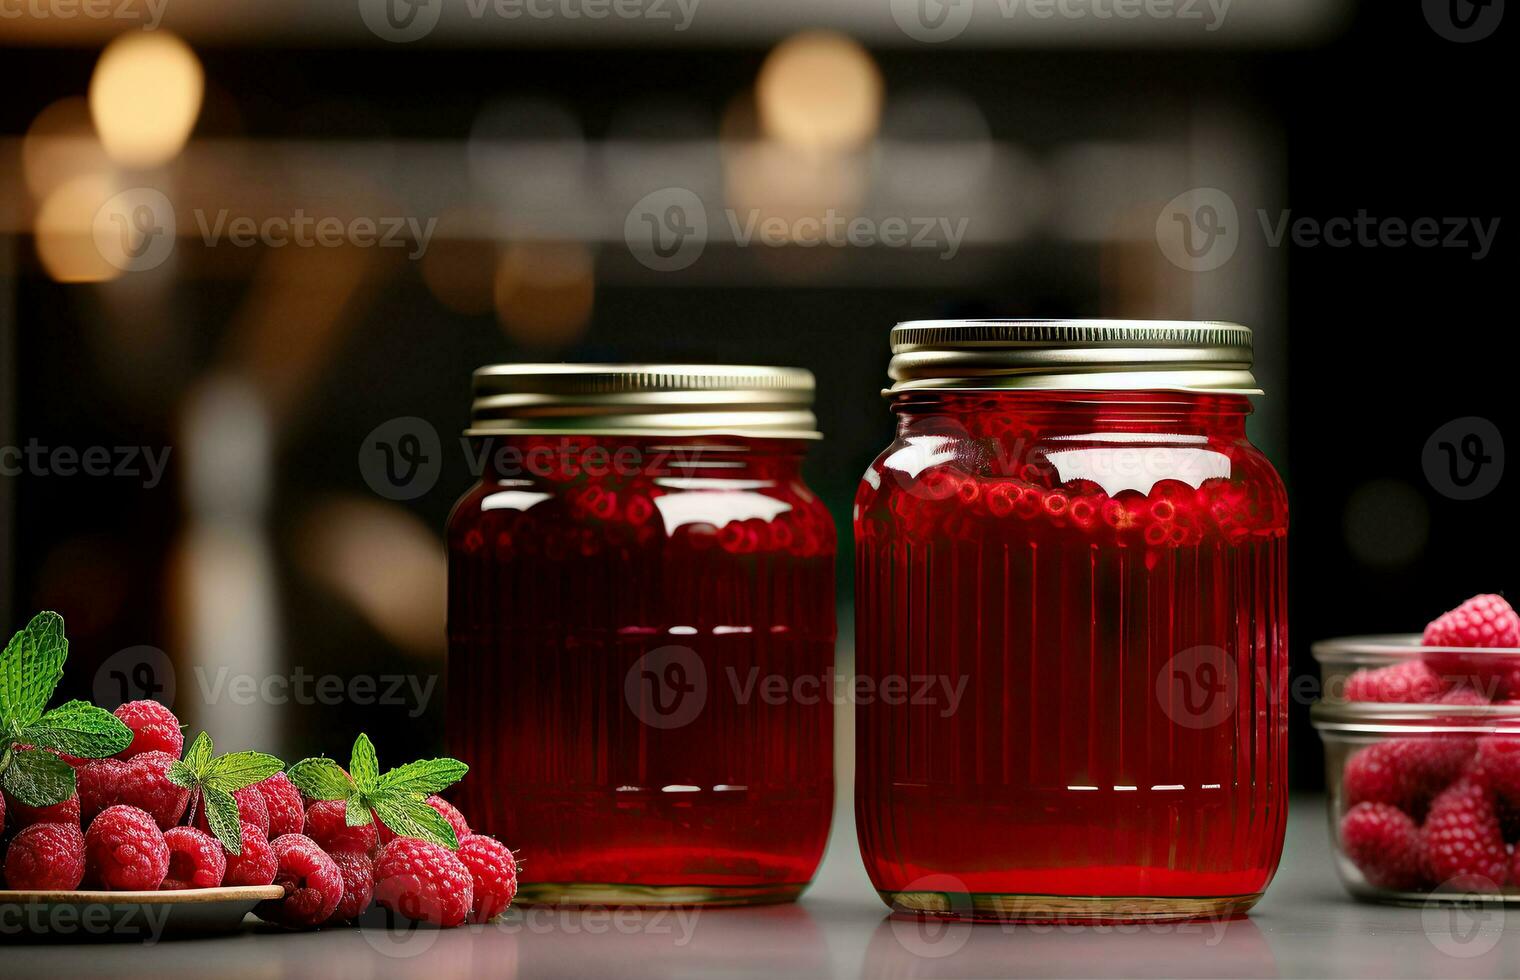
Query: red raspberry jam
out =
(641, 616)
(1103, 569)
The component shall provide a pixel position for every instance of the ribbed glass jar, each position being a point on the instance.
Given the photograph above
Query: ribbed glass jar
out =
(639, 565)
(1098, 566)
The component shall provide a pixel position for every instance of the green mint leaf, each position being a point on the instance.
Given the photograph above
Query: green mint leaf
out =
(364, 766)
(408, 815)
(181, 775)
(30, 669)
(79, 728)
(424, 776)
(198, 756)
(321, 779)
(38, 778)
(357, 814)
(236, 770)
(222, 817)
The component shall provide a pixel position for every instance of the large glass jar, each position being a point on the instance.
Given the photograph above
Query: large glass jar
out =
(641, 594)
(1074, 562)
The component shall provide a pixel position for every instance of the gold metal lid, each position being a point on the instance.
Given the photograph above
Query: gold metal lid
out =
(644, 400)
(1105, 355)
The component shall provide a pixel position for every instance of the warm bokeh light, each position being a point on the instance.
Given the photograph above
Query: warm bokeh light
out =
(545, 291)
(819, 90)
(61, 145)
(460, 272)
(385, 562)
(145, 96)
(65, 231)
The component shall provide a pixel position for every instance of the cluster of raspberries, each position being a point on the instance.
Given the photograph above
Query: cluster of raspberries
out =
(1440, 809)
(124, 829)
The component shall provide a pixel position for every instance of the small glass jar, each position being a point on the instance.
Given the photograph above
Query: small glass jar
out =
(639, 571)
(1422, 769)
(1073, 562)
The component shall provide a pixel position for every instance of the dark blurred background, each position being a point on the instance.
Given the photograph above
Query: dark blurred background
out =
(529, 155)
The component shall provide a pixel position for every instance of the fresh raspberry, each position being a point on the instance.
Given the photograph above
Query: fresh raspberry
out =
(312, 882)
(99, 784)
(154, 728)
(1482, 621)
(1411, 682)
(256, 865)
(1464, 694)
(287, 814)
(1497, 766)
(493, 870)
(424, 882)
(1406, 772)
(145, 784)
(358, 871)
(252, 811)
(1464, 844)
(24, 816)
(196, 860)
(46, 857)
(1385, 845)
(446, 810)
(327, 824)
(125, 850)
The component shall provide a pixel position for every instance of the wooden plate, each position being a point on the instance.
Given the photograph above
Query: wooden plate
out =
(143, 917)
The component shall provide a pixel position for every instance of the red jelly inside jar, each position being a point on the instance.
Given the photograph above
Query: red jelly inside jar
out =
(1102, 575)
(621, 611)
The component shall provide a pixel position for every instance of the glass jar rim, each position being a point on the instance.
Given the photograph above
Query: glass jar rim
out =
(1387, 649)
(1374, 717)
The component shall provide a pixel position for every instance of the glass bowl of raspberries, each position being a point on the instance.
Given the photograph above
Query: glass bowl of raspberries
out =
(1422, 757)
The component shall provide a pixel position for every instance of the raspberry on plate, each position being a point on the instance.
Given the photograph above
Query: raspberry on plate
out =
(46, 857)
(1406, 772)
(125, 850)
(493, 870)
(196, 860)
(256, 865)
(287, 812)
(144, 783)
(154, 728)
(312, 882)
(252, 811)
(99, 784)
(358, 871)
(1411, 682)
(327, 824)
(1385, 845)
(24, 816)
(1464, 844)
(445, 809)
(423, 882)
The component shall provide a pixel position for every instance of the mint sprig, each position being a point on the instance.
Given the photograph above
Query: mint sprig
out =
(212, 780)
(30, 668)
(398, 798)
